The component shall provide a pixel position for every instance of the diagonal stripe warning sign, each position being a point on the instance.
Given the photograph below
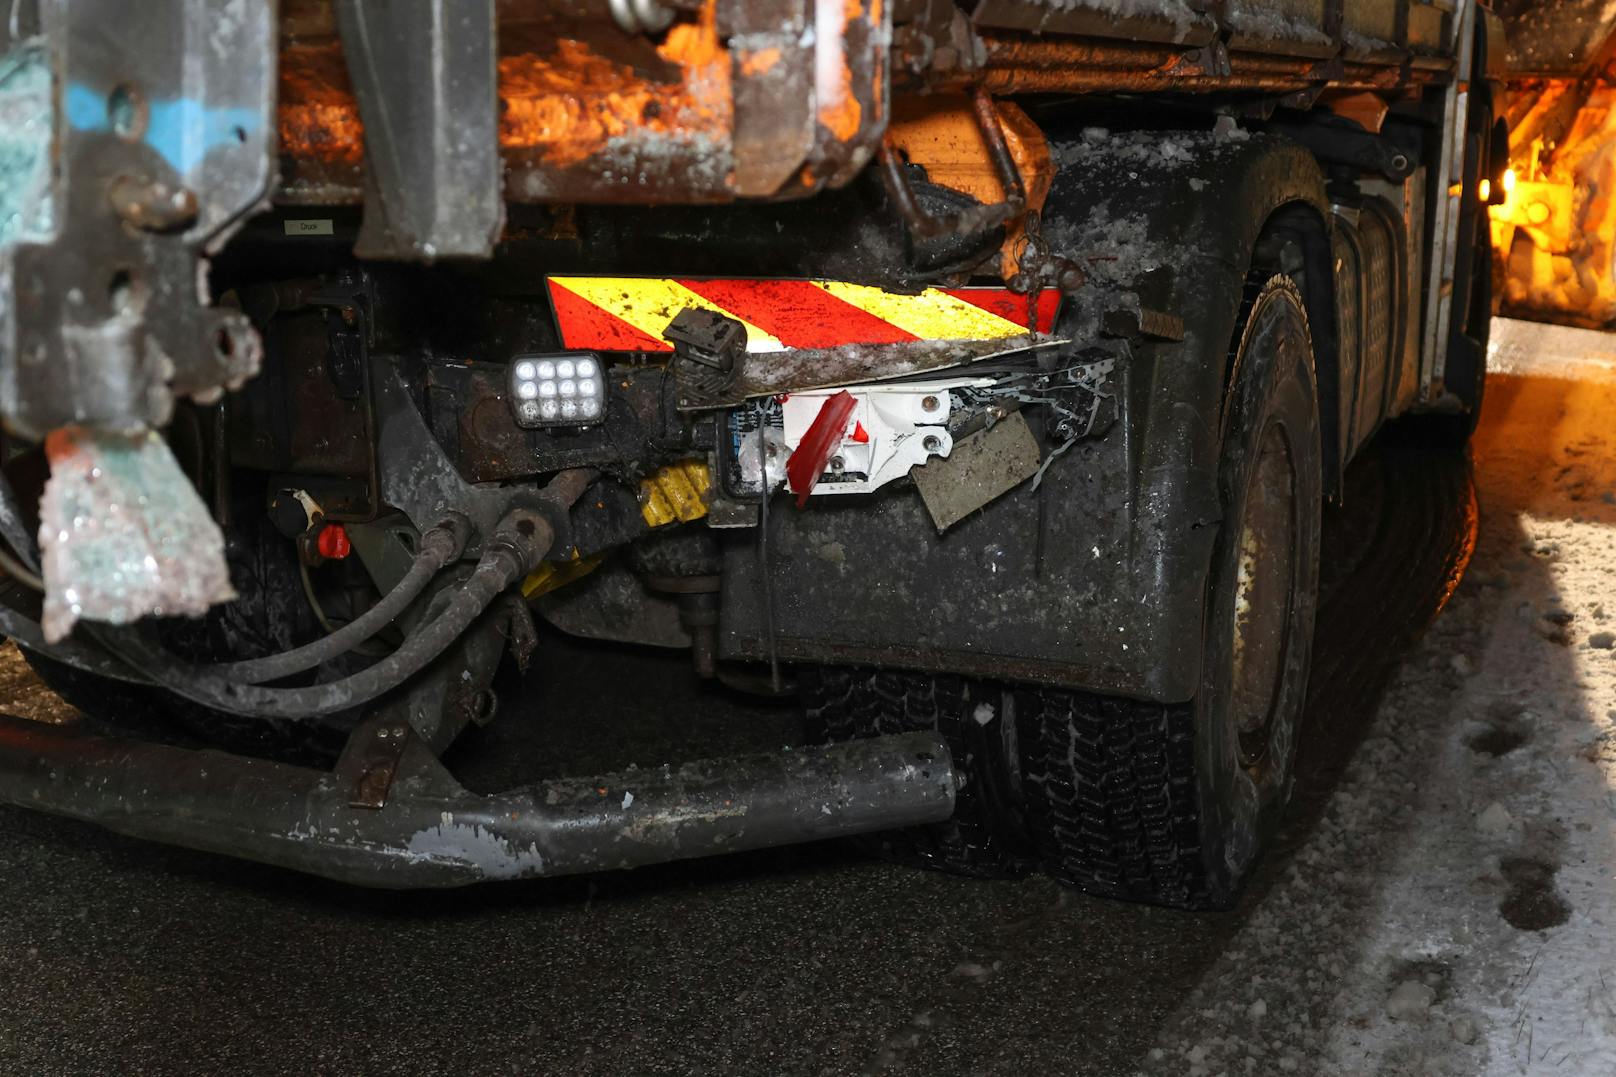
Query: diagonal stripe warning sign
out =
(630, 313)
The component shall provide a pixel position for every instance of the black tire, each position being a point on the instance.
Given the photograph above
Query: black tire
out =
(975, 719)
(1166, 804)
(1171, 804)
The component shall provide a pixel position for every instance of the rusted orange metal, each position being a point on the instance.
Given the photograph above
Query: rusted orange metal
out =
(1035, 52)
(570, 103)
(1025, 80)
(1363, 107)
(1020, 64)
(591, 114)
(729, 102)
(940, 132)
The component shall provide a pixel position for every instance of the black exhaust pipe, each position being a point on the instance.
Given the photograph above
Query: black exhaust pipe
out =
(432, 832)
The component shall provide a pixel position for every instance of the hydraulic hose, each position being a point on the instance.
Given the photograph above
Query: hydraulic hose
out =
(515, 549)
(440, 547)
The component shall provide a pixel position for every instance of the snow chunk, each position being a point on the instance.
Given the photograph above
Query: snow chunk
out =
(983, 713)
(1410, 1001)
(1495, 820)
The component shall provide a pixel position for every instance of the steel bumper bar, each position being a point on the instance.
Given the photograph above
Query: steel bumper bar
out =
(432, 832)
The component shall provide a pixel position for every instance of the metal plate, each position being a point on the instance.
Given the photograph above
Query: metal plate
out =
(982, 467)
(162, 139)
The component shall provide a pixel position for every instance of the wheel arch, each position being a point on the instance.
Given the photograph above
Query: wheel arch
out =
(1098, 576)
(1221, 212)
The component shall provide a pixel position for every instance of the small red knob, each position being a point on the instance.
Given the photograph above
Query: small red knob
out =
(334, 543)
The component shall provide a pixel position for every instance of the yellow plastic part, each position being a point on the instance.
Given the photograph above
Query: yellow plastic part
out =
(549, 576)
(675, 494)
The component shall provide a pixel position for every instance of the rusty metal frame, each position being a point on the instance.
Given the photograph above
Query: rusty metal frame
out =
(924, 225)
(163, 124)
(414, 826)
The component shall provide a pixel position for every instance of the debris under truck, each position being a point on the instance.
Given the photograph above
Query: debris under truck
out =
(977, 371)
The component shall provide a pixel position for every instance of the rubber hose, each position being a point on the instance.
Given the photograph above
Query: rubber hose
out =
(440, 547)
(516, 548)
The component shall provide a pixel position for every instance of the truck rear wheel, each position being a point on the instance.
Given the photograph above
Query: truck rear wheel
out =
(976, 718)
(1170, 804)
(1162, 803)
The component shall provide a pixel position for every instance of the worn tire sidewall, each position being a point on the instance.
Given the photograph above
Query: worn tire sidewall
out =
(1273, 381)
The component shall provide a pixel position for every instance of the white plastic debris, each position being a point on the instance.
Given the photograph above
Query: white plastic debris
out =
(892, 428)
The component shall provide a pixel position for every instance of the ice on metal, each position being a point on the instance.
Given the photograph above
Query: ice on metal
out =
(124, 534)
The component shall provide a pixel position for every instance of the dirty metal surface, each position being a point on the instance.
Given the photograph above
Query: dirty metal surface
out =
(738, 99)
(424, 77)
(781, 99)
(804, 961)
(402, 821)
(162, 135)
(824, 368)
(983, 466)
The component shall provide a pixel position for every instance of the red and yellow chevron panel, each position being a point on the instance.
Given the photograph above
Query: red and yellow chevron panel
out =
(628, 314)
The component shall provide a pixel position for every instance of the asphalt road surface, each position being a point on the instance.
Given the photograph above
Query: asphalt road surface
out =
(118, 956)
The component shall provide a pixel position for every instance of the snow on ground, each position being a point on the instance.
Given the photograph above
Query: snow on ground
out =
(1454, 912)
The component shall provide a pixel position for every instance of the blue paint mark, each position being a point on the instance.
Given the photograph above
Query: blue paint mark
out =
(182, 131)
(86, 108)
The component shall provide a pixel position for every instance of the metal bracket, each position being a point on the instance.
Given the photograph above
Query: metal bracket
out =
(424, 73)
(162, 137)
(708, 349)
(370, 760)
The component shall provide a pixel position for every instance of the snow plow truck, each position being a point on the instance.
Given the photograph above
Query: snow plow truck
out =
(975, 370)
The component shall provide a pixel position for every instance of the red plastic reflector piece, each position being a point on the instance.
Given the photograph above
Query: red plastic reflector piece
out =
(819, 444)
(859, 434)
(333, 542)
